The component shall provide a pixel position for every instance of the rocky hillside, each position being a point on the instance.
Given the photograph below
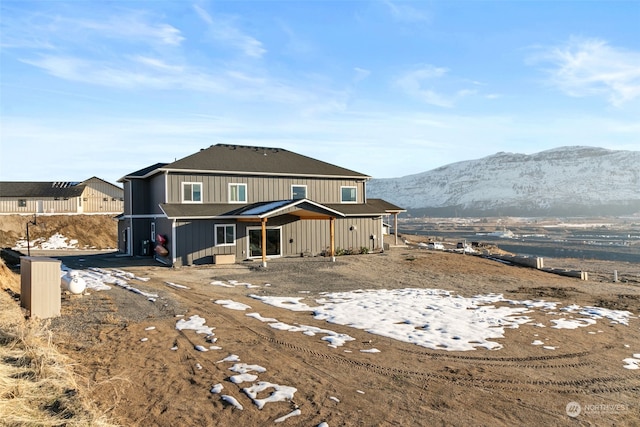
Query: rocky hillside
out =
(564, 181)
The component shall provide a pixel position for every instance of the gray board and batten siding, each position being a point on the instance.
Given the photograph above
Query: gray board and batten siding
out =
(215, 188)
(195, 240)
(155, 203)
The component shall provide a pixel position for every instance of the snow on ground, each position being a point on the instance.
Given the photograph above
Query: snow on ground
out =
(280, 393)
(195, 323)
(431, 318)
(57, 241)
(632, 362)
(226, 303)
(439, 320)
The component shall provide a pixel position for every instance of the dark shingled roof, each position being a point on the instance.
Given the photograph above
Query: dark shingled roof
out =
(239, 159)
(40, 189)
(144, 172)
(383, 204)
(372, 207)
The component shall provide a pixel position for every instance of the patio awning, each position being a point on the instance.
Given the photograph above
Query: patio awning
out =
(302, 208)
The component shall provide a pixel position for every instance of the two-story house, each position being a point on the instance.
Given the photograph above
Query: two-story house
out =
(239, 202)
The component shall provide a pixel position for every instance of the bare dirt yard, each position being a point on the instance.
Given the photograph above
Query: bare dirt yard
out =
(98, 231)
(140, 370)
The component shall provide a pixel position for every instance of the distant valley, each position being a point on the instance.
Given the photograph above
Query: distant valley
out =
(566, 181)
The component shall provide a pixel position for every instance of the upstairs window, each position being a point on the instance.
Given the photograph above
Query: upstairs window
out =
(225, 235)
(192, 192)
(237, 193)
(298, 192)
(348, 194)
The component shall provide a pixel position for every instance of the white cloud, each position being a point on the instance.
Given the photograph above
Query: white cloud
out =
(223, 29)
(48, 30)
(361, 74)
(403, 12)
(158, 63)
(592, 67)
(413, 83)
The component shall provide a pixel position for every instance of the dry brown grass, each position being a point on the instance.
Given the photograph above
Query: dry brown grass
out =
(37, 384)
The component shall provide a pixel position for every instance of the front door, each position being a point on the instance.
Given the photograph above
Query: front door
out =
(274, 242)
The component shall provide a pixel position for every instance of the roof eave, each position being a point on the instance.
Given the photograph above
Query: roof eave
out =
(254, 173)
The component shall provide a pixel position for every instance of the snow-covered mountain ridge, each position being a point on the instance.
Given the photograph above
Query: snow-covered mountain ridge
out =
(563, 181)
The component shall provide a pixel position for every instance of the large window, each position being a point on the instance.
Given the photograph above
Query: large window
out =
(192, 192)
(298, 192)
(237, 193)
(273, 238)
(348, 194)
(225, 235)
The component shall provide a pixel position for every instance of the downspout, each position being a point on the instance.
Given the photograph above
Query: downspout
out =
(395, 226)
(364, 188)
(166, 187)
(381, 233)
(173, 243)
(264, 242)
(332, 237)
(130, 242)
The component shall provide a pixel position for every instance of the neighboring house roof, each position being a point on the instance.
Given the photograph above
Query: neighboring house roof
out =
(95, 178)
(244, 160)
(41, 189)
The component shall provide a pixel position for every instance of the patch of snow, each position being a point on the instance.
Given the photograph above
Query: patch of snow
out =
(232, 401)
(230, 358)
(195, 323)
(227, 303)
(280, 393)
(295, 413)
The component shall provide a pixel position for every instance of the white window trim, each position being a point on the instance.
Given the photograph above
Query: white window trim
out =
(349, 201)
(260, 256)
(184, 184)
(215, 234)
(245, 192)
(299, 185)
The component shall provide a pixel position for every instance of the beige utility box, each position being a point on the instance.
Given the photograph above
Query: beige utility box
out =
(224, 259)
(40, 286)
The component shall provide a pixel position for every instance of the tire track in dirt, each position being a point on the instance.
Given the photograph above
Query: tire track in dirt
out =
(586, 385)
(598, 385)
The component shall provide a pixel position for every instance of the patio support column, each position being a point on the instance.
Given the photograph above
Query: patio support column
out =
(264, 242)
(395, 226)
(332, 234)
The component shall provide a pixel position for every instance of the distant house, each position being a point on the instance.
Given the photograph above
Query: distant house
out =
(91, 196)
(232, 202)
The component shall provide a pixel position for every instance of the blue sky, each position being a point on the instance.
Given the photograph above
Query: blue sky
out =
(386, 88)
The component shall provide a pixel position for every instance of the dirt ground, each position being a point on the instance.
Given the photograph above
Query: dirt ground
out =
(91, 231)
(145, 383)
